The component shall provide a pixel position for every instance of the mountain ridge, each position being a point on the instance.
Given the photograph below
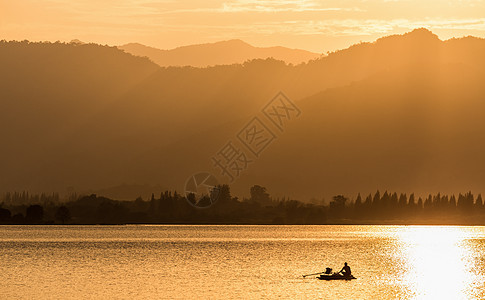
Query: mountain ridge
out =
(92, 116)
(227, 52)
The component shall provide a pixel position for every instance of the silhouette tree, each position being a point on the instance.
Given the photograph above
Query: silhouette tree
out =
(173, 208)
(445, 202)
(367, 206)
(479, 202)
(259, 195)
(337, 206)
(403, 201)
(18, 218)
(428, 203)
(376, 200)
(420, 203)
(394, 205)
(385, 204)
(437, 201)
(34, 214)
(465, 202)
(63, 215)
(453, 202)
(5, 215)
(358, 206)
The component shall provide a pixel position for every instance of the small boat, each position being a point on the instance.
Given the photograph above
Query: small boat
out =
(335, 276)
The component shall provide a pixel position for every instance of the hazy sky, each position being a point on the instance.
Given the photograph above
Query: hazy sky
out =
(318, 26)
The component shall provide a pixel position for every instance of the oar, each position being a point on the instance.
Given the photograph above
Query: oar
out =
(312, 274)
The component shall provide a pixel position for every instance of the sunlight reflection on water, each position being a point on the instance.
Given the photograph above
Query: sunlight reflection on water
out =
(233, 262)
(439, 263)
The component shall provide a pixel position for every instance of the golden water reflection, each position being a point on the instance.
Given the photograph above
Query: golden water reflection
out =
(438, 262)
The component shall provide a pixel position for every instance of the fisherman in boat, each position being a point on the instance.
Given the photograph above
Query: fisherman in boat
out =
(346, 271)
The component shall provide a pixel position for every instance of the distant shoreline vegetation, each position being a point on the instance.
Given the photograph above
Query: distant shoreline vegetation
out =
(172, 208)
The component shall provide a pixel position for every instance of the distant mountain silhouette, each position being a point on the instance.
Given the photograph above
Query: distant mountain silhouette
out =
(220, 53)
(402, 113)
(129, 191)
(76, 42)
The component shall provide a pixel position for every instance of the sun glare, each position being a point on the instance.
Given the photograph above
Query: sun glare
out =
(438, 263)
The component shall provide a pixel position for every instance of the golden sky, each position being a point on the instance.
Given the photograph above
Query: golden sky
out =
(318, 26)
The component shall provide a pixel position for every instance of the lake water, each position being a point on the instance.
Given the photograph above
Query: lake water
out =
(232, 262)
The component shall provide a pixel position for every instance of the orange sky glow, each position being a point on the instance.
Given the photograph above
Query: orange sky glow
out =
(318, 26)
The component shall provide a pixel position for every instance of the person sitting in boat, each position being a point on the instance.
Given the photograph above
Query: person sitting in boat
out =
(346, 270)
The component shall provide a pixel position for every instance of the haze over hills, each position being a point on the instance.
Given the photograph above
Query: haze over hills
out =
(220, 53)
(403, 113)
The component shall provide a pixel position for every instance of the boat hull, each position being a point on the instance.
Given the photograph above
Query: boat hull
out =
(335, 277)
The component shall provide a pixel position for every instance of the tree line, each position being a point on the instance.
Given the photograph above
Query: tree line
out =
(260, 208)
